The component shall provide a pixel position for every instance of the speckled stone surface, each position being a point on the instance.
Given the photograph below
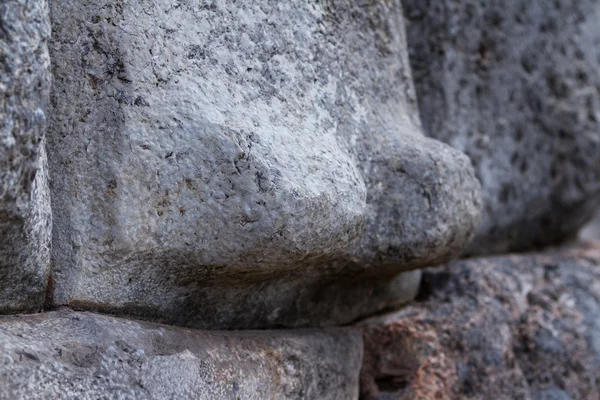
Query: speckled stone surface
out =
(25, 220)
(510, 327)
(68, 355)
(229, 165)
(516, 86)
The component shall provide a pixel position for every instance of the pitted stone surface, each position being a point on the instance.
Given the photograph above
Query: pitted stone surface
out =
(67, 355)
(516, 86)
(506, 327)
(25, 221)
(228, 165)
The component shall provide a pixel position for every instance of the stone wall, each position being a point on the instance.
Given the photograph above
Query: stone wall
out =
(172, 171)
(515, 86)
(25, 216)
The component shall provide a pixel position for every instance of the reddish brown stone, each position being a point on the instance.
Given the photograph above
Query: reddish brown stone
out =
(511, 327)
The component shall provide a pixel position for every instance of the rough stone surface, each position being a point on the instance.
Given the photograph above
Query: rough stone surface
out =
(25, 220)
(516, 86)
(70, 355)
(218, 164)
(512, 327)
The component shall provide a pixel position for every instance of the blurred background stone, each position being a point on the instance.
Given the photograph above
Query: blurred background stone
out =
(591, 231)
(509, 327)
(516, 86)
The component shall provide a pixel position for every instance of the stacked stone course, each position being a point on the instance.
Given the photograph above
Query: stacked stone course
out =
(248, 200)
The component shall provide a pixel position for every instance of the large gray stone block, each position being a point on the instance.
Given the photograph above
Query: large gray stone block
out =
(66, 355)
(228, 165)
(516, 86)
(25, 220)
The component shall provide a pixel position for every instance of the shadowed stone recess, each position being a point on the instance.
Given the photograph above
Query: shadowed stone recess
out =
(71, 355)
(228, 165)
(25, 218)
(516, 86)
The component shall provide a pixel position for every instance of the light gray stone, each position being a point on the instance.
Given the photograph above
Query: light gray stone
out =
(229, 165)
(591, 231)
(25, 219)
(516, 86)
(66, 355)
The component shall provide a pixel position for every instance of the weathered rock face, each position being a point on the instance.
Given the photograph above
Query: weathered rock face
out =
(244, 165)
(71, 355)
(515, 86)
(25, 221)
(512, 327)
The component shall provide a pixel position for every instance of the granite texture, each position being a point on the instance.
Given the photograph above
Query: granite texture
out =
(227, 165)
(510, 327)
(25, 217)
(516, 86)
(68, 355)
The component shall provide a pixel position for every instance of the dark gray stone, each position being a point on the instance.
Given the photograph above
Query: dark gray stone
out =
(228, 165)
(516, 86)
(509, 327)
(25, 218)
(66, 355)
